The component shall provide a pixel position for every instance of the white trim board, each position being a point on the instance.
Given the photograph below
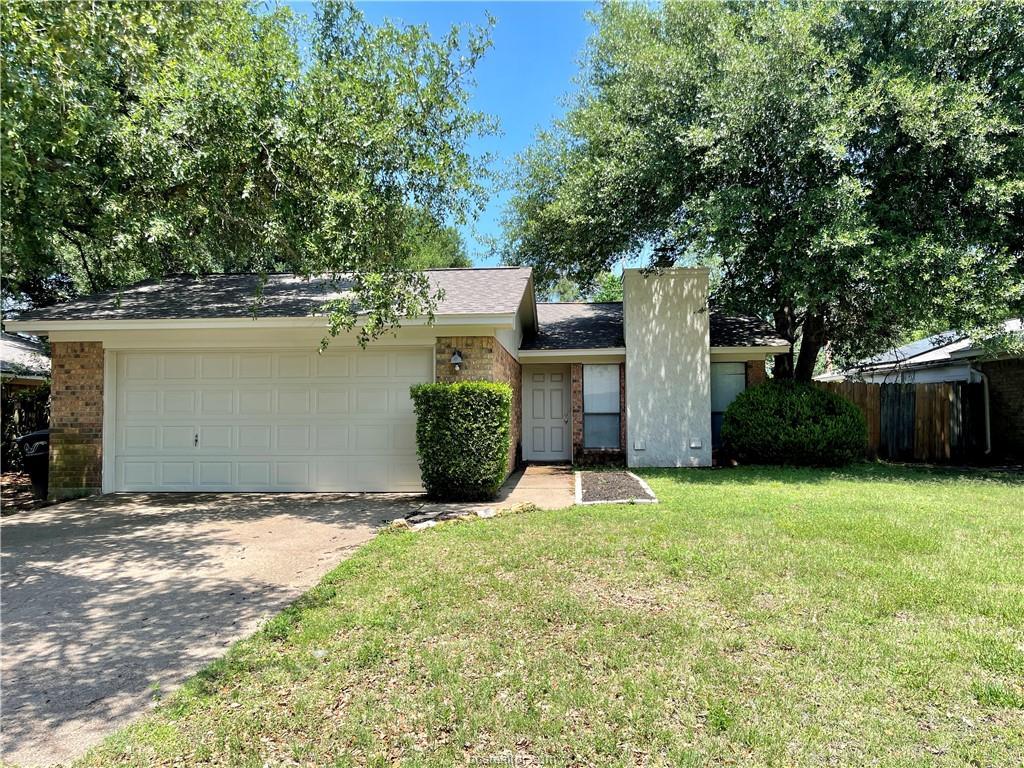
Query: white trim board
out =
(496, 320)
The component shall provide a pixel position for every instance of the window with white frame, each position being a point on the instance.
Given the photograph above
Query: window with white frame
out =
(601, 406)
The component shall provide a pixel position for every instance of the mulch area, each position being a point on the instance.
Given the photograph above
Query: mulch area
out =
(17, 495)
(612, 486)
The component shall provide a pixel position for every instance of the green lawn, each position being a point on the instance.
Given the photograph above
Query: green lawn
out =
(755, 616)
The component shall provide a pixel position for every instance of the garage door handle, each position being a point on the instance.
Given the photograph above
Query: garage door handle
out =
(196, 443)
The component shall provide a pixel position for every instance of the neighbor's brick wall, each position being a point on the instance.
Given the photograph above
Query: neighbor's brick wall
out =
(484, 359)
(580, 455)
(755, 372)
(76, 418)
(1006, 400)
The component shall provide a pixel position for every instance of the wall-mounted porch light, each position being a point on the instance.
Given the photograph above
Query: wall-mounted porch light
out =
(457, 360)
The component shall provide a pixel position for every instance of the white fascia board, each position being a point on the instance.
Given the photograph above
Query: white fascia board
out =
(541, 354)
(44, 327)
(750, 353)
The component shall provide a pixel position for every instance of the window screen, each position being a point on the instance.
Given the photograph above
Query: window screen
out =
(601, 406)
(727, 381)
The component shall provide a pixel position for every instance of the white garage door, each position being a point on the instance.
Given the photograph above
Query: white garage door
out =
(273, 420)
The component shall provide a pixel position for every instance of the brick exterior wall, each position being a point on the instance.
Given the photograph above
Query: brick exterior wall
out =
(484, 359)
(76, 419)
(755, 372)
(1006, 401)
(581, 455)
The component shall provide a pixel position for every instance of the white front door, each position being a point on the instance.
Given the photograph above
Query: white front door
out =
(547, 433)
(268, 420)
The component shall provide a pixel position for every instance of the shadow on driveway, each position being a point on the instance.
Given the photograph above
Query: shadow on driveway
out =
(107, 600)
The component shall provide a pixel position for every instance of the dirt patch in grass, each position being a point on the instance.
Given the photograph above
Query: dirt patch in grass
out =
(613, 486)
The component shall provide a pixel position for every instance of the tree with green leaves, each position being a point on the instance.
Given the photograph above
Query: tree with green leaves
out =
(850, 170)
(435, 246)
(142, 139)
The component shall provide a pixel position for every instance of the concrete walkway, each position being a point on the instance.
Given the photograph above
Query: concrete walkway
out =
(109, 599)
(549, 486)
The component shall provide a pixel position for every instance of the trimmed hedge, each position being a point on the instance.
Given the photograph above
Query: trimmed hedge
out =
(788, 422)
(463, 432)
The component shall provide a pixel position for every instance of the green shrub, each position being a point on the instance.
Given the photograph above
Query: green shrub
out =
(788, 422)
(463, 432)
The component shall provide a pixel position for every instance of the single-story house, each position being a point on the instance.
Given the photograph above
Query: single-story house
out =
(24, 362)
(950, 357)
(178, 386)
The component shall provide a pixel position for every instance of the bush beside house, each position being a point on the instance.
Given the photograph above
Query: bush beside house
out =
(788, 422)
(22, 410)
(462, 438)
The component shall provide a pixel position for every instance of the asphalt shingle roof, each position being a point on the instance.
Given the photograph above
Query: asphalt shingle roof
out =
(739, 331)
(577, 326)
(23, 356)
(599, 326)
(182, 297)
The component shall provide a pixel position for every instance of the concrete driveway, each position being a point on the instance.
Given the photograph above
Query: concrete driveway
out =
(107, 600)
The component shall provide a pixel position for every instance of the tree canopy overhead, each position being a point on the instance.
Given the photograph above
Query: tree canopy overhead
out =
(849, 170)
(142, 139)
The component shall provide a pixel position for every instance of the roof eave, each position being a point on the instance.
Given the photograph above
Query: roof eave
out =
(766, 349)
(46, 327)
(577, 352)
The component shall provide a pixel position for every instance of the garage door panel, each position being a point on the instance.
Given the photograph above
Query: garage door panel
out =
(139, 474)
(333, 400)
(372, 365)
(179, 367)
(215, 474)
(268, 420)
(142, 368)
(216, 437)
(333, 437)
(259, 366)
(293, 402)
(178, 437)
(253, 437)
(179, 402)
(292, 438)
(139, 438)
(255, 402)
(181, 473)
(332, 366)
(255, 474)
(371, 400)
(293, 366)
(293, 474)
(216, 402)
(142, 403)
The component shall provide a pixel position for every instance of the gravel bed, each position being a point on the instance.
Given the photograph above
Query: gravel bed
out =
(613, 486)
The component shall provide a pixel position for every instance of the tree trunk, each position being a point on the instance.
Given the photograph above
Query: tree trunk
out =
(783, 367)
(812, 339)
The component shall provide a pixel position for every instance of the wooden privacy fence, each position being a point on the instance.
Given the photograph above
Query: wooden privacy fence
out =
(919, 422)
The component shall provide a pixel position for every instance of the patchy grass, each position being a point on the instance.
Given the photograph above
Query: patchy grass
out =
(754, 617)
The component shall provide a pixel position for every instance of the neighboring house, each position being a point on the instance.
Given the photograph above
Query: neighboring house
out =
(950, 357)
(175, 386)
(24, 362)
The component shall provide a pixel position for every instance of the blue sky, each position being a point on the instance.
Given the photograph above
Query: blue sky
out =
(523, 79)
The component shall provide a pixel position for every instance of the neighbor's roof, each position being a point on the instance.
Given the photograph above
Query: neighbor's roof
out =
(494, 290)
(577, 325)
(23, 356)
(933, 350)
(581, 325)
